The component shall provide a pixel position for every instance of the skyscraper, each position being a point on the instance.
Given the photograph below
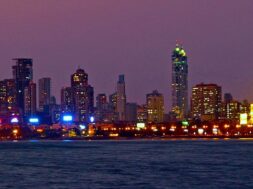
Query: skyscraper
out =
(121, 99)
(30, 99)
(23, 75)
(179, 83)
(155, 107)
(44, 92)
(101, 107)
(67, 100)
(206, 101)
(83, 96)
(112, 109)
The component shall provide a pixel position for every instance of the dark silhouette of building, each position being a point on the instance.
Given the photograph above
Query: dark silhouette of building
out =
(101, 107)
(131, 112)
(30, 99)
(44, 92)
(121, 99)
(228, 98)
(67, 100)
(23, 75)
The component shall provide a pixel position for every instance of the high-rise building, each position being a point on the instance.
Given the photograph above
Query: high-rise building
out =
(113, 101)
(67, 100)
(155, 107)
(179, 83)
(44, 92)
(101, 107)
(245, 107)
(131, 112)
(101, 101)
(8, 99)
(233, 110)
(206, 101)
(30, 99)
(112, 114)
(83, 96)
(121, 99)
(23, 75)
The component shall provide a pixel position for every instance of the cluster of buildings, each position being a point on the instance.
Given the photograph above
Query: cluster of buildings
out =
(25, 102)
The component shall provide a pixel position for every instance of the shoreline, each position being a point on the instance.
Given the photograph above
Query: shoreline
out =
(248, 138)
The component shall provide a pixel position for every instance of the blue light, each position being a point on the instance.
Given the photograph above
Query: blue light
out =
(34, 120)
(92, 119)
(14, 120)
(67, 118)
(82, 127)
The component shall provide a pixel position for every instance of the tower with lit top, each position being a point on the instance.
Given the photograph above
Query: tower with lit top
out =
(83, 96)
(179, 82)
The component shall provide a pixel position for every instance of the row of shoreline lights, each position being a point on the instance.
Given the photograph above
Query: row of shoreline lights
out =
(69, 118)
(35, 120)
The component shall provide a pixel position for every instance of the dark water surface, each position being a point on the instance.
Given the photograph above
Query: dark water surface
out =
(127, 164)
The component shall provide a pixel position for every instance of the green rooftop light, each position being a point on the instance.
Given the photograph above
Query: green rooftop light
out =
(182, 52)
(185, 123)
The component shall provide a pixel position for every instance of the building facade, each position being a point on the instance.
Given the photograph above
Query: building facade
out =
(155, 107)
(131, 112)
(101, 107)
(30, 99)
(8, 96)
(179, 83)
(83, 95)
(67, 100)
(44, 92)
(206, 102)
(121, 99)
(23, 75)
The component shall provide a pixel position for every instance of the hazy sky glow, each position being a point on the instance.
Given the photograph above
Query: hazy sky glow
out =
(134, 37)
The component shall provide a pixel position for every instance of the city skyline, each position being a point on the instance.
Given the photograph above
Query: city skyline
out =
(142, 54)
(126, 93)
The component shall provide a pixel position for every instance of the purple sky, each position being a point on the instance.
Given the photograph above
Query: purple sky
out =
(134, 37)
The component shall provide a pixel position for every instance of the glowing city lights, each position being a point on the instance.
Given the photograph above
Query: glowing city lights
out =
(244, 119)
(14, 120)
(67, 118)
(34, 120)
(92, 119)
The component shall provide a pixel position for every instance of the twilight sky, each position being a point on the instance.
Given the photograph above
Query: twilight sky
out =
(134, 37)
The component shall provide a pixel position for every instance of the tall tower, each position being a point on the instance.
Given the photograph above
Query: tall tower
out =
(30, 99)
(121, 99)
(101, 107)
(83, 96)
(23, 75)
(44, 92)
(179, 83)
(67, 100)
